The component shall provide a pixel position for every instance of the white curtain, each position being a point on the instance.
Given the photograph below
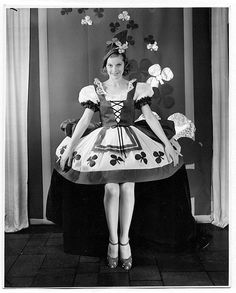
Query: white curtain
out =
(17, 77)
(220, 111)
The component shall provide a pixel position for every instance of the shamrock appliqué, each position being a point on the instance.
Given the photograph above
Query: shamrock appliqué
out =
(112, 42)
(159, 75)
(130, 40)
(152, 47)
(99, 12)
(76, 156)
(149, 39)
(121, 47)
(82, 10)
(66, 11)
(115, 160)
(86, 20)
(91, 160)
(159, 156)
(124, 16)
(132, 25)
(114, 26)
(151, 43)
(62, 149)
(141, 157)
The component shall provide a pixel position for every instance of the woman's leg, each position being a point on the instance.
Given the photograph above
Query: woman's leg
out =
(111, 205)
(126, 208)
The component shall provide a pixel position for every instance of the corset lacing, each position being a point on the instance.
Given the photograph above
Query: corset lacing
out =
(117, 107)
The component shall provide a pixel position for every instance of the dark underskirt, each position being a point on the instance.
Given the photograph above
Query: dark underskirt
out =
(162, 216)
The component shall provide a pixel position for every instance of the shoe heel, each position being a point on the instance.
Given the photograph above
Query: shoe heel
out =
(112, 262)
(126, 263)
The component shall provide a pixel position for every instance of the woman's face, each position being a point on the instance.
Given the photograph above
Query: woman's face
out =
(115, 67)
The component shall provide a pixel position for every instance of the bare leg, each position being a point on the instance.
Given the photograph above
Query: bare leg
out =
(111, 205)
(126, 208)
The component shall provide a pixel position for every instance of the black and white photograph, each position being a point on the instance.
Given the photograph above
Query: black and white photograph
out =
(116, 167)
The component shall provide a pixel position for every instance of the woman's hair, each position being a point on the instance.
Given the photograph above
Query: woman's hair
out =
(116, 53)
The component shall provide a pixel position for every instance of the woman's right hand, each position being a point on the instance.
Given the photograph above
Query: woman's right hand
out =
(66, 158)
(172, 154)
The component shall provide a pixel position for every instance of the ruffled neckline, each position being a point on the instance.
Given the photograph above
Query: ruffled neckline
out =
(100, 89)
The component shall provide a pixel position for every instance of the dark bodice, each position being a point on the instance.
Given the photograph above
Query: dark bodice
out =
(108, 115)
(113, 113)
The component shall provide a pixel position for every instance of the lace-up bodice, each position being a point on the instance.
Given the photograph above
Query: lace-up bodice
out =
(117, 107)
(114, 113)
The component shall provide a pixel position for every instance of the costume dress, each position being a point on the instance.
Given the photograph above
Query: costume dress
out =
(118, 151)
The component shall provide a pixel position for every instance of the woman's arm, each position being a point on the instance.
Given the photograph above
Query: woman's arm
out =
(155, 126)
(80, 128)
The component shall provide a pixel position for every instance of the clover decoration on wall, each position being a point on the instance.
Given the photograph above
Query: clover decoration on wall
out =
(123, 20)
(90, 14)
(145, 71)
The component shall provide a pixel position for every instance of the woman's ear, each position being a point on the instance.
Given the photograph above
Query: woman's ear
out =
(104, 71)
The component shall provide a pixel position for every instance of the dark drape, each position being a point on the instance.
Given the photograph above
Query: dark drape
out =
(203, 107)
(162, 215)
(35, 184)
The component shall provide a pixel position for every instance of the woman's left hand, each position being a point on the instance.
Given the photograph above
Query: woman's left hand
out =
(172, 154)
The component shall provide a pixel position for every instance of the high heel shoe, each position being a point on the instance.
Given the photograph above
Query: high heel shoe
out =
(126, 263)
(112, 262)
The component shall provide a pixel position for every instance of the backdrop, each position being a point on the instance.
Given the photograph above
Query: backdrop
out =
(74, 54)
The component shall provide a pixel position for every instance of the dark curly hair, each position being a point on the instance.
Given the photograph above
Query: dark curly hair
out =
(115, 52)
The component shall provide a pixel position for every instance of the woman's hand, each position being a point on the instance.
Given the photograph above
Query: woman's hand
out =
(66, 158)
(82, 125)
(172, 154)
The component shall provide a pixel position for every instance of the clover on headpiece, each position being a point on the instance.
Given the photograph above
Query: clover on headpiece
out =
(115, 42)
(118, 43)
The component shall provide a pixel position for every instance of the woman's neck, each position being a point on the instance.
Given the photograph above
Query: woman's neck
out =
(116, 83)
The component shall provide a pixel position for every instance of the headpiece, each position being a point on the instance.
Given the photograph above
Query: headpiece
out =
(118, 44)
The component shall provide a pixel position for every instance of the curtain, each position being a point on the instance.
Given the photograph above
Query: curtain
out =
(38, 196)
(16, 162)
(220, 103)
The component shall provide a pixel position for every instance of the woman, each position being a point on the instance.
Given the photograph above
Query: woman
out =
(118, 154)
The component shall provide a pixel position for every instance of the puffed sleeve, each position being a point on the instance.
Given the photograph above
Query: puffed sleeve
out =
(143, 94)
(88, 98)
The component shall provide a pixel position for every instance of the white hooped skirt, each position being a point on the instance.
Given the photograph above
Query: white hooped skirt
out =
(98, 159)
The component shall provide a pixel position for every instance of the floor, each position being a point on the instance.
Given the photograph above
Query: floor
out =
(34, 257)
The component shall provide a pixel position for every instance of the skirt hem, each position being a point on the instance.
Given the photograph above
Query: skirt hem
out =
(119, 176)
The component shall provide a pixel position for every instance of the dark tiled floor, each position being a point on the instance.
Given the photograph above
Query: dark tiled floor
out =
(34, 257)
